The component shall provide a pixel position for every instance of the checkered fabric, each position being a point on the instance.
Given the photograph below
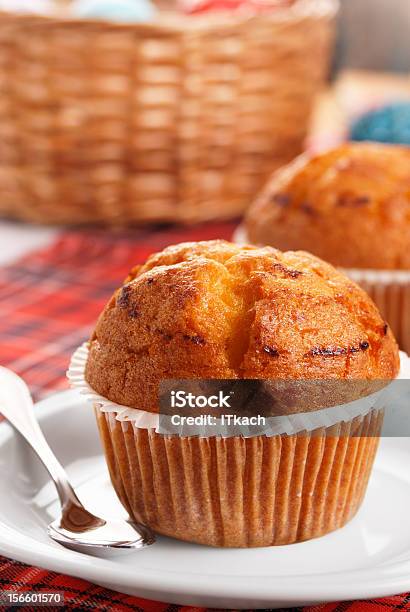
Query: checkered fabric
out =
(49, 301)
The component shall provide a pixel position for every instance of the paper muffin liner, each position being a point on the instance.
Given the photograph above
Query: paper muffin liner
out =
(389, 289)
(236, 491)
(241, 492)
(274, 426)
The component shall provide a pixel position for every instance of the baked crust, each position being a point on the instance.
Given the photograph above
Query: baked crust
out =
(218, 310)
(350, 206)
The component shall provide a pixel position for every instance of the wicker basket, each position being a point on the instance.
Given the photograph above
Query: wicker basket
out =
(180, 120)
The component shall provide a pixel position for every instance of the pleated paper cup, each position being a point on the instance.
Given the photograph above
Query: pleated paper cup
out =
(239, 491)
(389, 289)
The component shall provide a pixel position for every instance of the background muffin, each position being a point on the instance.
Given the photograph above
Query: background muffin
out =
(351, 206)
(217, 310)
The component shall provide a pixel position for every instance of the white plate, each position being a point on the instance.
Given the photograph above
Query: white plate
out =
(370, 557)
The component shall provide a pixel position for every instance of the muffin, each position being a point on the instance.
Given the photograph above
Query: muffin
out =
(217, 310)
(350, 206)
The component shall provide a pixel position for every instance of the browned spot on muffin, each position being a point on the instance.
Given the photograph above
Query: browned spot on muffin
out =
(124, 302)
(271, 350)
(287, 271)
(363, 346)
(165, 335)
(327, 351)
(307, 208)
(335, 351)
(385, 329)
(123, 299)
(351, 200)
(281, 199)
(133, 311)
(194, 339)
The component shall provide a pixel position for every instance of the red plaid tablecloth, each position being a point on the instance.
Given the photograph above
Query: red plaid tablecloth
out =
(49, 301)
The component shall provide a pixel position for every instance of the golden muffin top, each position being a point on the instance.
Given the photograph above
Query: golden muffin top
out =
(217, 310)
(349, 205)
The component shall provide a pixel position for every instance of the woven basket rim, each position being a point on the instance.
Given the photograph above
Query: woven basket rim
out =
(180, 22)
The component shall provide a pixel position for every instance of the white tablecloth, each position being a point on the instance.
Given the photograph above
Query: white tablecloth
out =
(18, 239)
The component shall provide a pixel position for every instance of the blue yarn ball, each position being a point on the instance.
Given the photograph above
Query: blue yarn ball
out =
(128, 11)
(390, 124)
